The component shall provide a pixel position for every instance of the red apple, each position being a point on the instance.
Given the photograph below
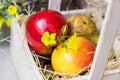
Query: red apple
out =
(43, 21)
(73, 56)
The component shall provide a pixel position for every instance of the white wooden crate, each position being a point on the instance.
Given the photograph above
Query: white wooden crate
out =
(24, 61)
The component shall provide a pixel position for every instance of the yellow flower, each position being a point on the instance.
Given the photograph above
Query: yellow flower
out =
(17, 16)
(73, 42)
(1, 21)
(12, 9)
(48, 39)
(9, 21)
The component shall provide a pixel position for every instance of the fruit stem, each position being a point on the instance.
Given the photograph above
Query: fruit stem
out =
(63, 38)
(88, 35)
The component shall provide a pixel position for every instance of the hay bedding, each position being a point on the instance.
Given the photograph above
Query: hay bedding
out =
(43, 62)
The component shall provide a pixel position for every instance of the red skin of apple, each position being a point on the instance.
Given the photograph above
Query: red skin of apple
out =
(40, 22)
(69, 61)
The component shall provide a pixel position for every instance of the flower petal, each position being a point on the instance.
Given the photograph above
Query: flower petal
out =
(73, 43)
(48, 39)
(44, 38)
(12, 9)
(52, 42)
(17, 16)
(53, 36)
(9, 21)
(1, 21)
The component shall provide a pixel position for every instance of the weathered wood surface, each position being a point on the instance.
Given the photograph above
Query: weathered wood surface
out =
(107, 36)
(112, 75)
(21, 55)
(54, 4)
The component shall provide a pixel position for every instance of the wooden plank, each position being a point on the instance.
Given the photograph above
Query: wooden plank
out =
(112, 75)
(107, 36)
(84, 77)
(118, 31)
(21, 55)
(68, 13)
(54, 4)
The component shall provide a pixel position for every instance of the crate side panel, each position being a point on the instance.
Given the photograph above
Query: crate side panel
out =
(107, 36)
(22, 57)
(112, 75)
(54, 4)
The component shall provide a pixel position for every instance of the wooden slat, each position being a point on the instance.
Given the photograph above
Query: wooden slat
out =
(107, 36)
(112, 75)
(68, 13)
(21, 55)
(118, 31)
(54, 4)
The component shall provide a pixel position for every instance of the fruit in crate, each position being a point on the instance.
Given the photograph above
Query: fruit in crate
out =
(84, 26)
(73, 56)
(42, 29)
(80, 24)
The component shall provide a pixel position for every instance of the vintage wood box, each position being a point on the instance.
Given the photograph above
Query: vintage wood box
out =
(24, 62)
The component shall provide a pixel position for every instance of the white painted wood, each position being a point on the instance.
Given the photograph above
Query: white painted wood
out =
(116, 47)
(21, 55)
(107, 36)
(54, 4)
(67, 14)
(112, 75)
(85, 77)
(119, 31)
